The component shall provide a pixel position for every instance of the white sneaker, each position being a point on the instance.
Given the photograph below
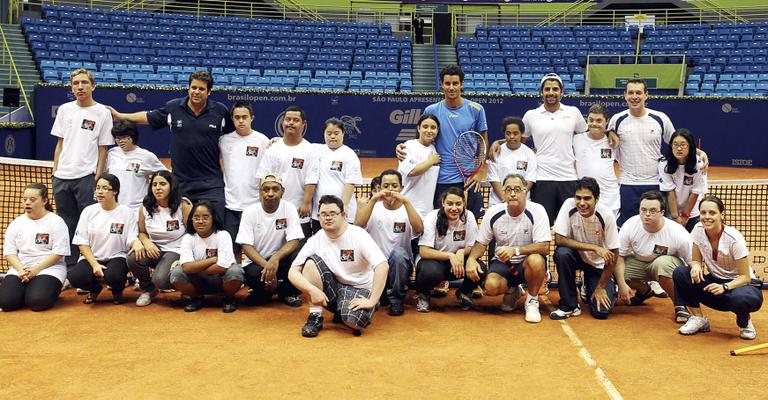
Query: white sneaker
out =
(694, 325)
(422, 303)
(749, 332)
(560, 314)
(532, 313)
(511, 296)
(145, 299)
(657, 290)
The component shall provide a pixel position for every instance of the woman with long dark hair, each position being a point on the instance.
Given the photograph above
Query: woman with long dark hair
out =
(682, 178)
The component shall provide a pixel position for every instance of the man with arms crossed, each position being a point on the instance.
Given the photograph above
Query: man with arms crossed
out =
(587, 239)
(340, 268)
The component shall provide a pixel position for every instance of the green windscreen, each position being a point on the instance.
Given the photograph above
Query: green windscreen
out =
(615, 76)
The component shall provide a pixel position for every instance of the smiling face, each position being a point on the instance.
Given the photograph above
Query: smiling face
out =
(202, 221)
(34, 203)
(452, 86)
(711, 216)
(551, 93)
(82, 88)
(198, 92)
(513, 135)
(636, 95)
(334, 136)
(597, 124)
(453, 206)
(242, 119)
(585, 202)
(427, 131)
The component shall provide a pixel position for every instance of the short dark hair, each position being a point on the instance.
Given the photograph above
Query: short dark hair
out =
(335, 122)
(375, 183)
(202, 75)
(590, 184)
(512, 120)
(392, 172)
(637, 80)
(598, 108)
(298, 109)
(217, 224)
(113, 181)
(452, 69)
(713, 199)
(126, 128)
(331, 199)
(518, 176)
(242, 104)
(655, 195)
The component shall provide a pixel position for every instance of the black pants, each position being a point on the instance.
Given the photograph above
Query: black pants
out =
(552, 195)
(284, 287)
(568, 261)
(431, 272)
(38, 294)
(115, 275)
(474, 198)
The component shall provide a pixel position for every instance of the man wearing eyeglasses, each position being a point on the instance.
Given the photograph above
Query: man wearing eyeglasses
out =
(340, 268)
(521, 231)
(392, 220)
(650, 248)
(269, 234)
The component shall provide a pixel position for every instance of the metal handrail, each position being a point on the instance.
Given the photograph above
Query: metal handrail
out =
(7, 50)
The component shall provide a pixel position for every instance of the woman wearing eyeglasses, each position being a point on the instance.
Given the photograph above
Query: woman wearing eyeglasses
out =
(683, 178)
(104, 235)
(719, 276)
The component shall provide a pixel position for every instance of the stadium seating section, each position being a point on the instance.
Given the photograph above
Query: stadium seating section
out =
(725, 59)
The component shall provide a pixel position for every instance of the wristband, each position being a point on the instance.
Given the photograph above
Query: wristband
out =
(517, 251)
(685, 214)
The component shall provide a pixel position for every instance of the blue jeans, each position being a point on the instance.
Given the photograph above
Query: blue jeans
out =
(399, 272)
(568, 261)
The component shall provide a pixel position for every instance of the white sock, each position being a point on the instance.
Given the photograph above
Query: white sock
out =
(528, 297)
(315, 310)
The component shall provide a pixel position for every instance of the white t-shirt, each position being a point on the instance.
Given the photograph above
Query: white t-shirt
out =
(217, 244)
(352, 257)
(460, 234)
(335, 168)
(595, 158)
(164, 229)
(531, 226)
(730, 248)
(553, 138)
(267, 233)
(390, 229)
(520, 161)
(599, 229)
(133, 169)
(420, 189)
(33, 240)
(108, 233)
(671, 240)
(241, 156)
(640, 145)
(83, 129)
(684, 184)
(294, 164)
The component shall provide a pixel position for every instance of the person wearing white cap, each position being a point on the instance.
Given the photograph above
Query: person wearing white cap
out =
(552, 126)
(269, 235)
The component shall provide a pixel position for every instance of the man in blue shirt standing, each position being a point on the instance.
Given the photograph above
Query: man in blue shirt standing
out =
(196, 125)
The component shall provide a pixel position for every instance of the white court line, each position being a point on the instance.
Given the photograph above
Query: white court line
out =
(600, 375)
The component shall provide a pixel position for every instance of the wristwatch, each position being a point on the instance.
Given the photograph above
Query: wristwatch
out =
(517, 251)
(725, 287)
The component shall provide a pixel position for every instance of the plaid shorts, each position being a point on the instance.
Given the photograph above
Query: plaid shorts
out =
(340, 295)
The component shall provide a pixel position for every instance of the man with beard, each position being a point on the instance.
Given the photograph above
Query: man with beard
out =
(269, 235)
(196, 125)
(552, 126)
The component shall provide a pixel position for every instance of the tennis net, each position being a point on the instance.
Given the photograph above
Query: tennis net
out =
(746, 202)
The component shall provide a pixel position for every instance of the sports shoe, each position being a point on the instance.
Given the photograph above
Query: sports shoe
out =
(657, 290)
(532, 313)
(292, 301)
(441, 290)
(583, 293)
(229, 305)
(695, 325)
(681, 315)
(478, 293)
(639, 298)
(465, 301)
(749, 332)
(560, 314)
(422, 302)
(194, 304)
(396, 309)
(313, 325)
(511, 296)
(145, 298)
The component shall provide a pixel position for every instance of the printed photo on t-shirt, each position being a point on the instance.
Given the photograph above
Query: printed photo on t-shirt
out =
(252, 151)
(297, 163)
(522, 165)
(133, 167)
(347, 255)
(336, 165)
(88, 124)
(398, 227)
(660, 250)
(281, 223)
(211, 253)
(116, 228)
(687, 180)
(42, 238)
(172, 225)
(459, 236)
(605, 153)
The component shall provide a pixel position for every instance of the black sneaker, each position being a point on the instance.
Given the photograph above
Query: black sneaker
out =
(313, 326)
(230, 305)
(292, 301)
(396, 309)
(465, 301)
(194, 304)
(117, 297)
(639, 298)
(337, 318)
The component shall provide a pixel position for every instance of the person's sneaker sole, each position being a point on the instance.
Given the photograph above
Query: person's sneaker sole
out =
(560, 314)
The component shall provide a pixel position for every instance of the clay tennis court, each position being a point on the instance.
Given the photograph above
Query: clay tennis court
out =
(121, 351)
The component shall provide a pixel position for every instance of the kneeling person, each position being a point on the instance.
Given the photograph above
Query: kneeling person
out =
(587, 239)
(270, 232)
(521, 231)
(341, 268)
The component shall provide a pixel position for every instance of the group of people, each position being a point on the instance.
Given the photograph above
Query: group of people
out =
(297, 226)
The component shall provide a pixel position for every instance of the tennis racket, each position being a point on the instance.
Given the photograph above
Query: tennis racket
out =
(469, 153)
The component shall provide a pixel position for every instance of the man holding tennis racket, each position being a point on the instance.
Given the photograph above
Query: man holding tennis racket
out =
(461, 161)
